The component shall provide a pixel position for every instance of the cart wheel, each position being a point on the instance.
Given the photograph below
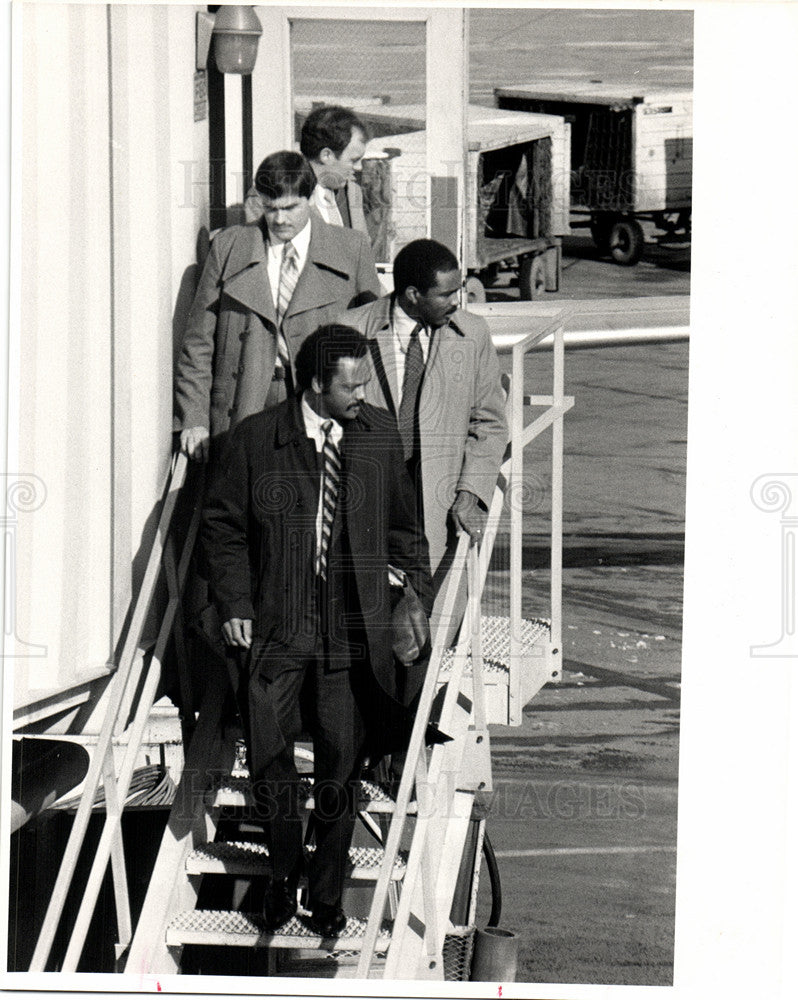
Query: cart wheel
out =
(531, 278)
(600, 229)
(475, 290)
(626, 242)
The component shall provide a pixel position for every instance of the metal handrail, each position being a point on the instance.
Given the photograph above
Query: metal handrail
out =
(102, 768)
(511, 472)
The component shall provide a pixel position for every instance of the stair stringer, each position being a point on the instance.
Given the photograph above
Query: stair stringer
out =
(190, 824)
(416, 950)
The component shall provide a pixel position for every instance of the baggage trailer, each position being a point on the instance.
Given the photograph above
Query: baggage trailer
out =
(516, 189)
(631, 159)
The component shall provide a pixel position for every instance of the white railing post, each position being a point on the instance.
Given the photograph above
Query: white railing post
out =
(557, 431)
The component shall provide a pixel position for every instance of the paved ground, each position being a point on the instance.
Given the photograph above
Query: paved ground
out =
(583, 818)
(585, 791)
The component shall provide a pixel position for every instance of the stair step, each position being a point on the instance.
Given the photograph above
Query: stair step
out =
(234, 929)
(246, 858)
(235, 792)
(495, 634)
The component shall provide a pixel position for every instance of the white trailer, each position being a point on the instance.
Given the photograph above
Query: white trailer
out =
(516, 191)
(631, 159)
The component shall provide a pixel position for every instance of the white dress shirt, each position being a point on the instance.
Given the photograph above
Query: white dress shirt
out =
(403, 326)
(315, 431)
(274, 258)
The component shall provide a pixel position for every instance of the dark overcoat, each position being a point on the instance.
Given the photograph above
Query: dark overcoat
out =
(259, 527)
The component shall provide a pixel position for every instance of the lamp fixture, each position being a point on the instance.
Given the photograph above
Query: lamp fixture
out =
(234, 32)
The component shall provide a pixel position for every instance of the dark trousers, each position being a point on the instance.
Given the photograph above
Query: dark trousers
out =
(289, 695)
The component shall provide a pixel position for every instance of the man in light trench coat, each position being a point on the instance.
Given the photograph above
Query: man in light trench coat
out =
(436, 369)
(253, 309)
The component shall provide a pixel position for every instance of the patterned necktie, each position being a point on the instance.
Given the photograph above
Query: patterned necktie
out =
(414, 373)
(330, 483)
(289, 275)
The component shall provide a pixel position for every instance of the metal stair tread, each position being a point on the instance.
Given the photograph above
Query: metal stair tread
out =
(247, 858)
(232, 928)
(495, 633)
(234, 790)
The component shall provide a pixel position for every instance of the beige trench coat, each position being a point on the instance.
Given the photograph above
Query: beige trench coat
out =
(462, 421)
(233, 319)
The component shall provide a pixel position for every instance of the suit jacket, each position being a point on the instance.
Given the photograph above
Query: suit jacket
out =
(253, 210)
(259, 527)
(462, 420)
(234, 303)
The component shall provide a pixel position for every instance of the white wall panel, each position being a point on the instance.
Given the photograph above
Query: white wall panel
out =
(63, 548)
(108, 266)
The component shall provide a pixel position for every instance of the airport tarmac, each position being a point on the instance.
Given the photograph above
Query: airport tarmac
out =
(583, 811)
(584, 808)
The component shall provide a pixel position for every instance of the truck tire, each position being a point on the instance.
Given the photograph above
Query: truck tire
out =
(626, 242)
(531, 278)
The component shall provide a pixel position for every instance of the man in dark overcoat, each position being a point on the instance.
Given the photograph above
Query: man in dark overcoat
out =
(304, 588)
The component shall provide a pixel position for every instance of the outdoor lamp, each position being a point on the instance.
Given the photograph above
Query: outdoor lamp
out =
(234, 31)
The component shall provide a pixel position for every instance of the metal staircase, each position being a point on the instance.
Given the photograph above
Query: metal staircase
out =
(422, 860)
(492, 672)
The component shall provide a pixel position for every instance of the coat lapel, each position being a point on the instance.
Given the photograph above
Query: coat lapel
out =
(246, 276)
(444, 340)
(313, 291)
(378, 330)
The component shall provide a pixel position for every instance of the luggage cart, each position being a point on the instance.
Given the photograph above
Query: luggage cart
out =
(631, 160)
(516, 189)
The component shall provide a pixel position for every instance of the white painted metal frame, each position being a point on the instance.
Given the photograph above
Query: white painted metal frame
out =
(459, 768)
(557, 405)
(446, 91)
(101, 768)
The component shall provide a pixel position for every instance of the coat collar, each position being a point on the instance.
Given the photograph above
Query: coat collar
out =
(290, 425)
(246, 277)
(381, 319)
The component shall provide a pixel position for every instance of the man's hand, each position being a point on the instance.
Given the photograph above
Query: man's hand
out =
(195, 442)
(469, 516)
(238, 632)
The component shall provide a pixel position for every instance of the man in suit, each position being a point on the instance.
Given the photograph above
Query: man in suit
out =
(309, 505)
(264, 288)
(334, 140)
(435, 368)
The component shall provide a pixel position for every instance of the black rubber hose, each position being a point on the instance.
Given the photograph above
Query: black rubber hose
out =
(495, 881)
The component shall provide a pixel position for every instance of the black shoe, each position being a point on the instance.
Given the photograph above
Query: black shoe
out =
(279, 903)
(327, 921)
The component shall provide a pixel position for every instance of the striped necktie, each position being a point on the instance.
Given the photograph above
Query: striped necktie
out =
(289, 275)
(414, 373)
(330, 483)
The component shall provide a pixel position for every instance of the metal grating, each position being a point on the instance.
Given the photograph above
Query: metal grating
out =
(496, 644)
(247, 858)
(234, 929)
(234, 792)
(458, 948)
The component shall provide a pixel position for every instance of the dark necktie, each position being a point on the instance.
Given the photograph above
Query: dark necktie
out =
(330, 482)
(414, 373)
